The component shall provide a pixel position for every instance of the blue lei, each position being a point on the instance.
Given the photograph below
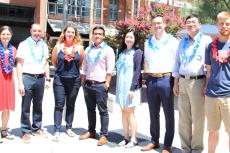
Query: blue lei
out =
(93, 60)
(32, 48)
(185, 45)
(8, 69)
(155, 46)
(121, 62)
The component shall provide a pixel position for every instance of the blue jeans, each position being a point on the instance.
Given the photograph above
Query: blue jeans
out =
(65, 92)
(34, 90)
(96, 94)
(159, 91)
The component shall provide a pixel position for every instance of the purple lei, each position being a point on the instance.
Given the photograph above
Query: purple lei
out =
(8, 69)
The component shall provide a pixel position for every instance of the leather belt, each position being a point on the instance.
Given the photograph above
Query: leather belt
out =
(159, 75)
(93, 82)
(34, 75)
(193, 77)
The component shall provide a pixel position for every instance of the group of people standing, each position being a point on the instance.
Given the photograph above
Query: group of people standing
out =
(196, 69)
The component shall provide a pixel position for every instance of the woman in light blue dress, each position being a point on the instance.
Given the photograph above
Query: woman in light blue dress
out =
(128, 87)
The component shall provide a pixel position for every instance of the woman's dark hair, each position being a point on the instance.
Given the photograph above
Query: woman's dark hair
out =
(6, 28)
(123, 45)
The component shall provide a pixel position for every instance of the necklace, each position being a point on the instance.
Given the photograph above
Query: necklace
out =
(122, 61)
(32, 48)
(215, 55)
(69, 56)
(185, 45)
(9, 68)
(93, 59)
(155, 46)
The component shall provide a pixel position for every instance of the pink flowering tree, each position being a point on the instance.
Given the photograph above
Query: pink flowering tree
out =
(171, 15)
(142, 24)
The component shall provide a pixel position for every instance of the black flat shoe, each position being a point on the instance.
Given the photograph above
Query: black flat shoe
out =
(6, 135)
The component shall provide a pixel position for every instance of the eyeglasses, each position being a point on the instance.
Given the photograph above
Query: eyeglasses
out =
(100, 34)
(191, 22)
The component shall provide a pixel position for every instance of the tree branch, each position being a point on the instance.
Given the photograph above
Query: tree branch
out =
(226, 2)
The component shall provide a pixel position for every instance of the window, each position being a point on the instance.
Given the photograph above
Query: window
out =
(135, 9)
(98, 9)
(85, 4)
(113, 10)
(59, 8)
(3, 11)
(52, 8)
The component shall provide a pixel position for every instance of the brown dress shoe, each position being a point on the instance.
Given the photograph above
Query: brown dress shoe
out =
(167, 150)
(87, 135)
(102, 140)
(40, 133)
(150, 146)
(26, 138)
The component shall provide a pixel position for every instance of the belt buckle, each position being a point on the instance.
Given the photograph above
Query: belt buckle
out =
(187, 77)
(157, 75)
(36, 75)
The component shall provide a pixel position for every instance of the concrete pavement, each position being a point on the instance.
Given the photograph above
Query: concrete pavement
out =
(67, 144)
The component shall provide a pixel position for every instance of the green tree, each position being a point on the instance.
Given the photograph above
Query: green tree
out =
(208, 9)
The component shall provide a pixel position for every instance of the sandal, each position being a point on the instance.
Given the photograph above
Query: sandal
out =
(6, 135)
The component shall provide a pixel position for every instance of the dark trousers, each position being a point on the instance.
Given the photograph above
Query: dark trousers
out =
(34, 90)
(65, 92)
(96, 94)
(159, 91)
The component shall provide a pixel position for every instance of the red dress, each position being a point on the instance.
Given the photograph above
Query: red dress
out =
(7, 89)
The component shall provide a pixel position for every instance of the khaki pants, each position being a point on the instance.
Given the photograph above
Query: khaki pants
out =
(216, 110)
(191, 115)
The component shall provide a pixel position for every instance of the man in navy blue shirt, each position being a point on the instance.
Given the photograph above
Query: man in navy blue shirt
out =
(217, 100)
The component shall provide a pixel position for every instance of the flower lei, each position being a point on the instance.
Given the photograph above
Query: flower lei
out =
(121, 62)
(155, 46)
(8, 69)
(31, 46)
(215, 55)
(69, 57)
(98, 56)
(185, 46)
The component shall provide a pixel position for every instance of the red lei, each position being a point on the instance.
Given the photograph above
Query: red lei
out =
(69, 57)
(215, 53)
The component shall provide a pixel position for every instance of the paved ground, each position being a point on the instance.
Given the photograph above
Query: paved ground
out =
(46, 145)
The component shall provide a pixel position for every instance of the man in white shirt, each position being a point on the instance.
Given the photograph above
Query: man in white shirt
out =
(160, 51)
(33, 74)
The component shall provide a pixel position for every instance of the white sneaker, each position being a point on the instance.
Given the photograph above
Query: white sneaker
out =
(70, 133)
(123, 142)
(131, 144)
(56, 137)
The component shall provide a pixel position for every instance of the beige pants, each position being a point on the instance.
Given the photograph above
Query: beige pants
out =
(216, 110)
(191, 115)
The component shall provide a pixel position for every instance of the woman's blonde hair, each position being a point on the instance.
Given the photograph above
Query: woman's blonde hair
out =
(77, 38)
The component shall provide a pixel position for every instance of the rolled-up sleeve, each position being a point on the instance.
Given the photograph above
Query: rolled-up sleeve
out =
(110, 61)
(84, 63)
(175, 72)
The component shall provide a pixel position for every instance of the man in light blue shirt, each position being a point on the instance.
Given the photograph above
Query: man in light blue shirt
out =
(189, 82)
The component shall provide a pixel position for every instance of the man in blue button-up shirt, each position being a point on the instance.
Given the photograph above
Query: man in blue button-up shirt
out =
(189, 81)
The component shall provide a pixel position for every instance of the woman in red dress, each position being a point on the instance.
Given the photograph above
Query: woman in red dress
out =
(7, 89)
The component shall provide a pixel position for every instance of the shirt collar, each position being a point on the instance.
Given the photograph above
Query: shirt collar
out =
(99, 46)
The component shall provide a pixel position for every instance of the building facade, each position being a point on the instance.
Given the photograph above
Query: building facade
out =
(20, 14)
